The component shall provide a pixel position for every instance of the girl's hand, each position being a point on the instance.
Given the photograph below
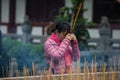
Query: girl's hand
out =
(74, 37)
(69, 37)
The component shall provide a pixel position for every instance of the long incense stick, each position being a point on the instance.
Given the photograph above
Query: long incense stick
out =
(74, 22)
(104, 69)
(24, 73)
(119, 69)
(62, 74)
(85, 70)
(17, 75)
(115, 67)
(78, 70)
(50, 71)
(70, 74)
(88, 73)
(34, 70)
(95, 67)
(93, 75)
(113, 74)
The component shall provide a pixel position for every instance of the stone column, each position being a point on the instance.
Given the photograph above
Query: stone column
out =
(13, 67)
(26, 28)
(105, 34)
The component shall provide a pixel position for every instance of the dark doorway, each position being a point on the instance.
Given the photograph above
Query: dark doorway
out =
(109, 8)
(43, 10)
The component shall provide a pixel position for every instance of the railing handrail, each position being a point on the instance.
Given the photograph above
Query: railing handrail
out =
(42, 38)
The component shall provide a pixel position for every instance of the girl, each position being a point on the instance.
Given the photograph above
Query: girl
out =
(62, 48)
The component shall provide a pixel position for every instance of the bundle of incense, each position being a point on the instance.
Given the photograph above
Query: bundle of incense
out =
(115, 66)
(62, 76)
(55, 78)
(85, 70)
(104, 70)
(34, 70)
(119, 69)
(78, 71)
(40, 78)
(70, 74)
(50, 71)
(112, 73)
(93, 73)
(43, 75)
(110, 77)
(100, 76)
(24, 72)
(88, 73)
(95, 67)
(17, 75)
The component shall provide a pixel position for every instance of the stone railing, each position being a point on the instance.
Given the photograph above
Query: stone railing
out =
(112, 42)
(40, 39)
(19, 37)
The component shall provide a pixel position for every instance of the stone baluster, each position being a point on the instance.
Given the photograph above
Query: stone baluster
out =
(13, 67)
(26, 28)
(105, 34)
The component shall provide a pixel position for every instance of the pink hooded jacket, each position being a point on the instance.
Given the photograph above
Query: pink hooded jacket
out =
(57, 53)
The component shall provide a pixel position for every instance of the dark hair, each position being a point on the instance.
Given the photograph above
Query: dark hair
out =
(62, 27)
(50, 27)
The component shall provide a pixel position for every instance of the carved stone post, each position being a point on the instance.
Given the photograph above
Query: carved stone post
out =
(26, 28)
(13, 68)
(105, 34)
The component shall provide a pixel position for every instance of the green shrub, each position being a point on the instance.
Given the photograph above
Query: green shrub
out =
(7, 44)
(25, 54)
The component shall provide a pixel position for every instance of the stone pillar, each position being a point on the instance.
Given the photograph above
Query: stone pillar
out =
(13, 67)
(26, 28)
(105, 34)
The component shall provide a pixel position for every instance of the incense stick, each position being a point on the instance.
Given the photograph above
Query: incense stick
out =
(104, 70)
(34, 70)
(74, 22)
(50, 70)
(85, 70)
(24, 73)
(78, 70)
(17, 75)
(119, 69)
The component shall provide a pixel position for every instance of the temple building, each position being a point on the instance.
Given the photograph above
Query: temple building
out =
(12, 13)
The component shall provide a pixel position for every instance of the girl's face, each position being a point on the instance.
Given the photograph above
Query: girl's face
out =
(62, 35)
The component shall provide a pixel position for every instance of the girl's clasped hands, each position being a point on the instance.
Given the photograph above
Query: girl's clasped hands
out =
(70, 36)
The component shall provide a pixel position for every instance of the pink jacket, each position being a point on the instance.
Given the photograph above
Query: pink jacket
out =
(57, 52)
